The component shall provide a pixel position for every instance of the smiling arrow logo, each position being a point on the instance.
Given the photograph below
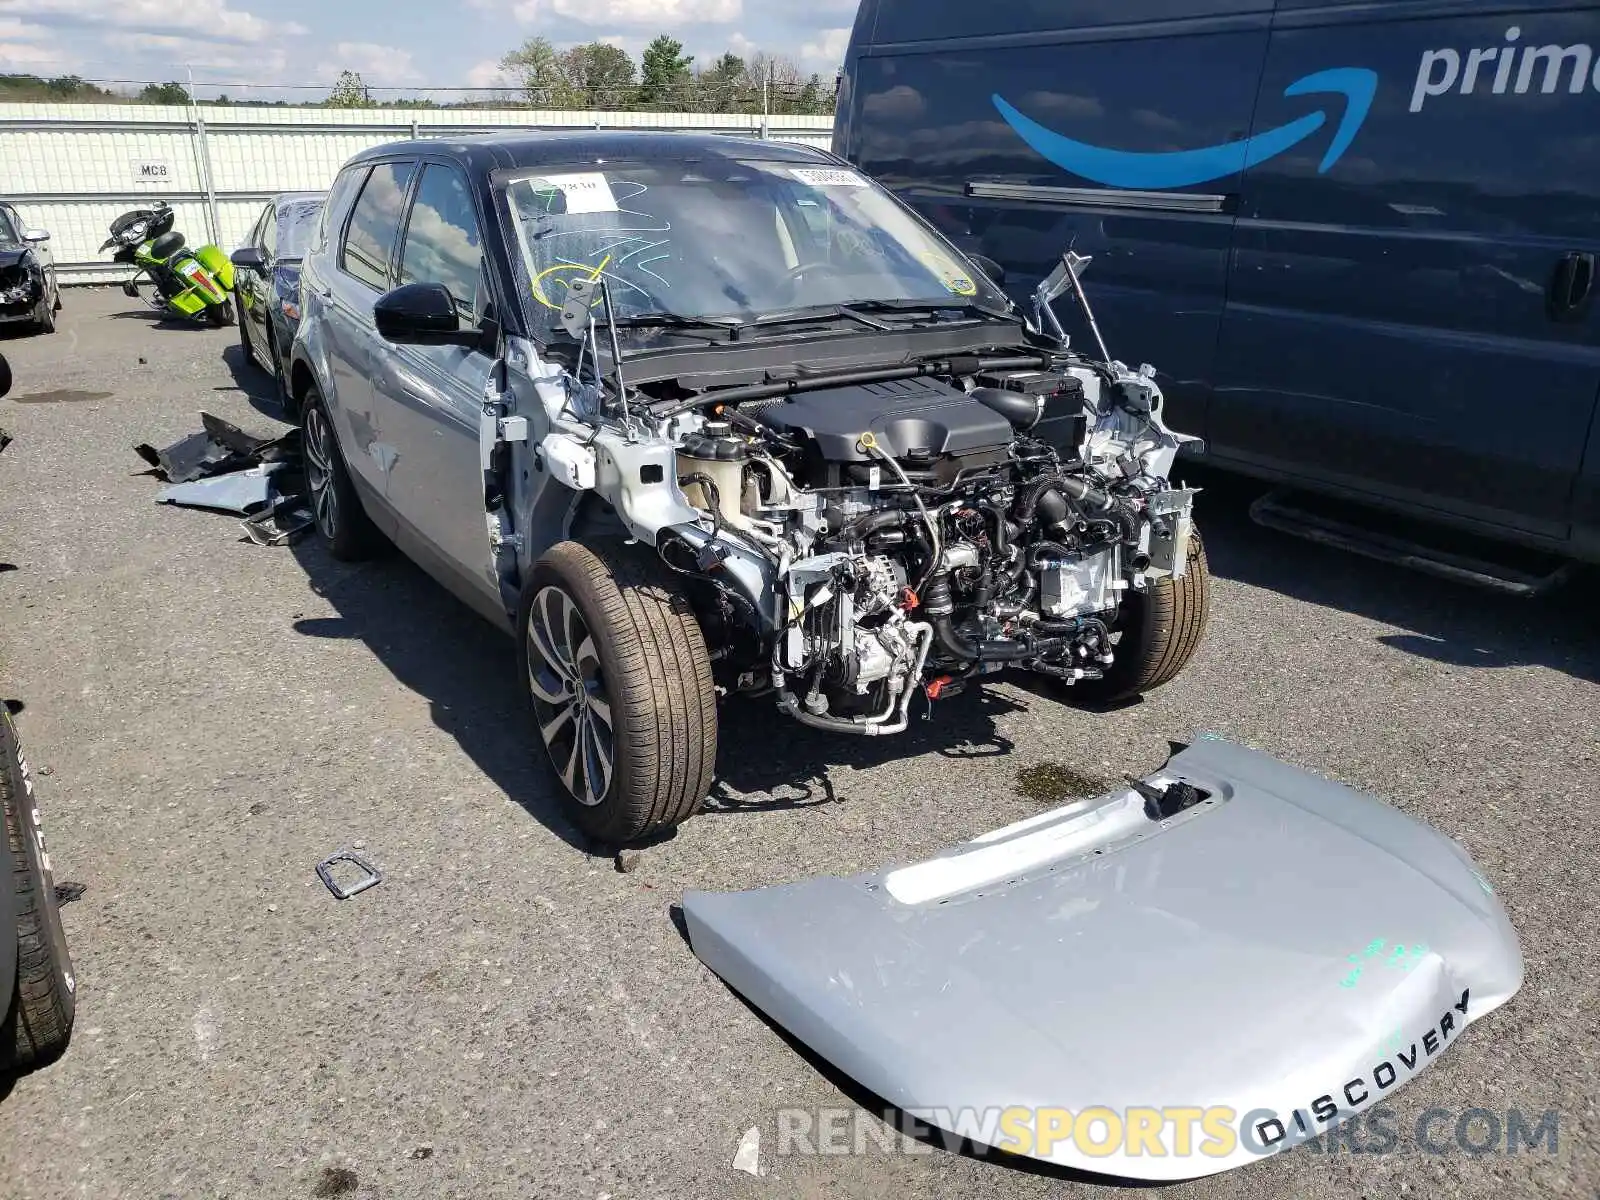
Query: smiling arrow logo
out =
(1182, 168)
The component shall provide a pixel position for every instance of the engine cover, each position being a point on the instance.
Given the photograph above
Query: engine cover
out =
(918, 419)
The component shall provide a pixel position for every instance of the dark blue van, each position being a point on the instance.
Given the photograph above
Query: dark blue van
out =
(1357, 236)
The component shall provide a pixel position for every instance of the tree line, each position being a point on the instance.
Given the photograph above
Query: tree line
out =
(601, 76)
(596, 76)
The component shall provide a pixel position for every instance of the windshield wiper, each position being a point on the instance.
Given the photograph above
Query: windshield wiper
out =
(818, 315)
(908, 306)
(672, 320)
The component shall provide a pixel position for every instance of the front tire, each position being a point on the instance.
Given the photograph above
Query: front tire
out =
(342, 522)
(1161, 627)
(619, 681)
(38, 1020)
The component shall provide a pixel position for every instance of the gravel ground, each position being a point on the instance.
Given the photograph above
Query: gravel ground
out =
(506, 1015)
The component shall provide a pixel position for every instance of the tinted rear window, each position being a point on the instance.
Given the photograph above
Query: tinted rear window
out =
(925, 20)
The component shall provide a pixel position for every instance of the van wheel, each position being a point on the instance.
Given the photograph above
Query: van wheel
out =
(38, 1021)
(619, 681)
(1161, 628)
(344, 525)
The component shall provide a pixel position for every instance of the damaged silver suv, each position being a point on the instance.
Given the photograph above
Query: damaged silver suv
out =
(696, 416)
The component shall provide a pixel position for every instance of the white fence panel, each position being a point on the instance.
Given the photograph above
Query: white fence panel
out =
(72, 168)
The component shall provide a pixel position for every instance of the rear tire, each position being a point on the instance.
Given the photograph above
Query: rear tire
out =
(220, 315)
(244, 337)
(343, 523)
(1161, 627)
(618, 678)
(38, 1021)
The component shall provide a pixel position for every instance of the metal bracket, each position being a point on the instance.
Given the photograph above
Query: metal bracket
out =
(325, 872)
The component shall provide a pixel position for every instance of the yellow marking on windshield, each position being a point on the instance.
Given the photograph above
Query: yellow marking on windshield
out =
(578, 268)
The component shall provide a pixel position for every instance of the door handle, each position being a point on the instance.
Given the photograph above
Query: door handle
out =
(1571, 287)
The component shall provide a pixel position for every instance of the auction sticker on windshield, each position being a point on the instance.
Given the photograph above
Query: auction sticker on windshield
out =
(584, 192)
(827, 177)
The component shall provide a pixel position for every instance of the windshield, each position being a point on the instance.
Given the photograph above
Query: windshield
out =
(729, 239)
(8, 235)
(297, 221)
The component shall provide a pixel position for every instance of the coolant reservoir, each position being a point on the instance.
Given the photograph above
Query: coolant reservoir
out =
(715, 452)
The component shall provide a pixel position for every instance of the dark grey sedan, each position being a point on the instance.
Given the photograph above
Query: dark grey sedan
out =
(267, 279)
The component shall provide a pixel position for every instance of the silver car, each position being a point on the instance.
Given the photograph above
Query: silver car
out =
(699, 416)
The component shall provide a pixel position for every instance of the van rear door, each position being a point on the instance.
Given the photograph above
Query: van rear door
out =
(1021, 128)
(1414, 320)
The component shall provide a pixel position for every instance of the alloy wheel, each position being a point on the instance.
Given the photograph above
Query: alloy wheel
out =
(569, 696)
(319, 450)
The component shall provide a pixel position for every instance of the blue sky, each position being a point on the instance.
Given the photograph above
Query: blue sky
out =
(396, 43)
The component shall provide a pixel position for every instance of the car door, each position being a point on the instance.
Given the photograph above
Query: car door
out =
(261, 281)
(1118, 129)
(1413, 321)
(364, 271)
(248, 282)
(428, 398)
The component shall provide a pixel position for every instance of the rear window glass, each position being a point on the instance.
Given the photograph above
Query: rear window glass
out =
(297, 222)
(374, 221)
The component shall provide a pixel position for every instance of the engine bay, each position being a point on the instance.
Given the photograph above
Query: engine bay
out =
(929, 529)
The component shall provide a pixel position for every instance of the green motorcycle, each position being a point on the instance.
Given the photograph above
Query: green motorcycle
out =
(188, 283)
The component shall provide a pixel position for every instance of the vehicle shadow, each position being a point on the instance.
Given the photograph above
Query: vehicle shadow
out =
(1443, 622)
(463, 667)
(792, 771)
(157, 320)
(460, 664)
(258, 386)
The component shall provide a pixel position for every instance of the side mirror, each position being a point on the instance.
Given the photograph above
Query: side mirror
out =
(36, 235)
(995, 273)
(422, 314)
(249, 258)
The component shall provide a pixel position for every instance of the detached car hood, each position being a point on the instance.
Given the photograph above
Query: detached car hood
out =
(1251, 970)
(11, 256)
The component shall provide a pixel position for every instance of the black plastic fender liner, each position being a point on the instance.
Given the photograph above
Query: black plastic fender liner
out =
(744, 572)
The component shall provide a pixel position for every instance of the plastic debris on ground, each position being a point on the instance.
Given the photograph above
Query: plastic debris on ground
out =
(748, 1157)
(225, 469)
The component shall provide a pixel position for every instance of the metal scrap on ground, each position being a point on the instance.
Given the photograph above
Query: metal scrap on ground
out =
(224, 469)
(372, 877)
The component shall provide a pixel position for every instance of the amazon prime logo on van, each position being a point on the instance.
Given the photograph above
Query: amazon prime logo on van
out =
(1498, 69)
(1183, 168)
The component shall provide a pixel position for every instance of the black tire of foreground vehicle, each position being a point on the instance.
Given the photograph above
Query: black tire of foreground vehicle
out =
(345, 528)
(656, 672)
(244, 331)
(38, 1020)
(1161, 629)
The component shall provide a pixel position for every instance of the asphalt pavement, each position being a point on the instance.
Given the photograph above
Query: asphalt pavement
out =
(508, 1016)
